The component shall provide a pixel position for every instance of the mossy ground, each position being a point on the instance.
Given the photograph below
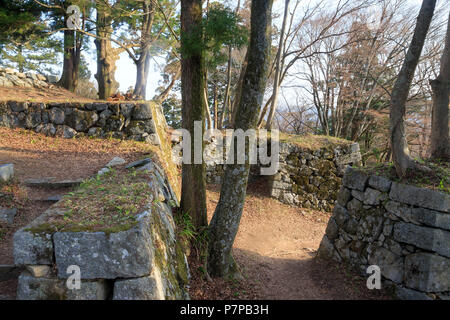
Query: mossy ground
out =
(106, 203)
(437, 179)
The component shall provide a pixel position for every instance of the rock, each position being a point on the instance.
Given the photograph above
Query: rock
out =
(420, 197)
(332, 230)
(32, 249)
(50, 184)
(80, 120)
(430, 217)
(391, 265)
(326, 249)
(7, 215)
(102, 171)
(355, 179)
(423, 237)
(18, 106)
(354, 206)
(31, 288)
(52, 78)
(124, 254)
(116, 161)
(39, 271)
(57, 115)
(66, 132)
(99, 106)
(427, 272)
(142, 111)
(373, 197)
(126, 109)
(340, 214)
(6, 172)
(380, 183)
(403, 293)
(145, 288)
(138, 163)
(358, 195)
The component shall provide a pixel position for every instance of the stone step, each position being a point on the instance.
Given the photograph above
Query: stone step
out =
(50, 184)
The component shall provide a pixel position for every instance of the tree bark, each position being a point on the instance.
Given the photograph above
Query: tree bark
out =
(277, 82)
(193, 189)
(143, 63)
(400, 150)
(71, 61)
(106, 55)
(225, 222)
(439, 144)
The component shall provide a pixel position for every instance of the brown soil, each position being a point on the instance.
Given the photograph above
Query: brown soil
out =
(53, 93)
(275, 248)
(37, 156)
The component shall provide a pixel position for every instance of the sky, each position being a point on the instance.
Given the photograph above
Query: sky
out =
(126, 70)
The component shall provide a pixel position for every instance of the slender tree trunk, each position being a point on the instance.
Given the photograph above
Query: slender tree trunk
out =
(163, 96)
(193, 189)
(238, 93)
(439, 144)
(225, 222)
(277, 83)
(106, 55)
(207, 110)
(400, 150)
(226, 100)
(215, 106)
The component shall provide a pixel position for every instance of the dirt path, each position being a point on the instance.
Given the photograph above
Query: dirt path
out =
(276, 247)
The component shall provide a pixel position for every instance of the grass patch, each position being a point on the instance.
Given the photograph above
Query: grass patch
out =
(107, 203)
(437, 179)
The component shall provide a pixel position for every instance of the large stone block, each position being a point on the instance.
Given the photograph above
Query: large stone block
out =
(142, 111)
(420, 197)
(32, 248)
(380, 183)
(427, 272)
(391, 265)
(423, 237)
(355, 179)
(7, 215)
(31, 288)
(124, 254)
(145, 288)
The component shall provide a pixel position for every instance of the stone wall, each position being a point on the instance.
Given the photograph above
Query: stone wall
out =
(311, 178)
(403, 229)
(125, 120)
(143, 262)
(307, 177)
(12, 78)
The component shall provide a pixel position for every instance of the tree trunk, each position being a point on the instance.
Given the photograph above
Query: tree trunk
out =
(193, 189)
(163, 96)
(225, 222)
(277, 82)
(238, 93)
(400, 150)
(71, 62)
(106, 56)
(215, 106)
(142, 70)
(439, 144)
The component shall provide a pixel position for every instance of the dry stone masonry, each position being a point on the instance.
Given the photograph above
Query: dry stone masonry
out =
(403, 229)
(12, 78)
(311, 178)
(143, 262)
(126, 120)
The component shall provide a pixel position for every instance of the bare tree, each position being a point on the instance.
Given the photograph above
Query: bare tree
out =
(400, 150)
(439, 145)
